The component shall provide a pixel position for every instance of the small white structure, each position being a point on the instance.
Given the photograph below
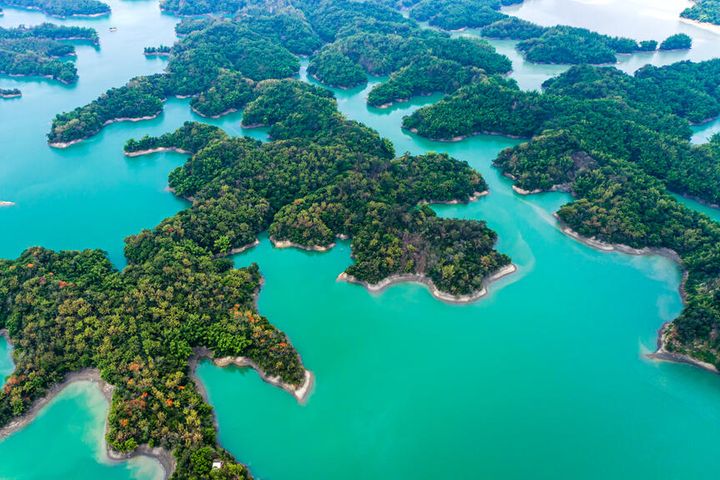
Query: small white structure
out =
(217, 464)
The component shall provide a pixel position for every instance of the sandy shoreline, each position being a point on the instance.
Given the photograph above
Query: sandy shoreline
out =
(157, 150)
(235, 251)
(460, 138)
(301, 393)
(472, 198)
(312, 248)
(222, 114)
(437, 293)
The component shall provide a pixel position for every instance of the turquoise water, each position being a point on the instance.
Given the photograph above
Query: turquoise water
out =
(65, 441)
(543, 378)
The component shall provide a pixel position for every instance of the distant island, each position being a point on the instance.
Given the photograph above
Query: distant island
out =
(161, 51)
(10, 93)
(40, 51)
(62, 8)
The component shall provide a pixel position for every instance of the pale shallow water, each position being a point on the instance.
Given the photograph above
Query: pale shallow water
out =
(543, 378)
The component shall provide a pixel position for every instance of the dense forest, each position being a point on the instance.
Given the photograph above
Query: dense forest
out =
(201, 64)
(563, 44)
(62, 8)
(345, 62)
(620, 144)
(322, 176)
(707, 11)
(218, 60)
(41, 51)
(679, 41)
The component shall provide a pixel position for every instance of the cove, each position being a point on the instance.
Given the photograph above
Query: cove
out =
(543, 378)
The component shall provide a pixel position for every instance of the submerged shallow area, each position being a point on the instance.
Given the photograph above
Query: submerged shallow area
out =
(543, 378)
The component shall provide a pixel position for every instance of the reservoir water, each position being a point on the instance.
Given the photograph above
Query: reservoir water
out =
(543, 378)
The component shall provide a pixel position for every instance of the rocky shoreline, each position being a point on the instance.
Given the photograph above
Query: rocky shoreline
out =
(309, 248)
(108, 122)
(157, 150)
(301, 392)
(662, 353)
(436, 292)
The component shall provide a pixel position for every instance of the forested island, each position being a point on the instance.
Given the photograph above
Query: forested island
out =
(10, 93)
(706, 11)
(619, 144)
(62, 8)
(161, 51)
(40, 51)
(219, 62)
(558, 44)
(199, 65)
(679, 41)
(180, 299)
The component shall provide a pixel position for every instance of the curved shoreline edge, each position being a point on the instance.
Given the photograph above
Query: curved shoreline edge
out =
(301, 392)
(108, 122)
(661, 353)
(163, 456)
(156, 150)
(436, 292)
(92, 375)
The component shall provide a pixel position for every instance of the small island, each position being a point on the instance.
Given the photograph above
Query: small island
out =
(10, 93)
(161, 51)
(679, 41)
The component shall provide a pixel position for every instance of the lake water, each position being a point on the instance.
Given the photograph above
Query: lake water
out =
(543, 378)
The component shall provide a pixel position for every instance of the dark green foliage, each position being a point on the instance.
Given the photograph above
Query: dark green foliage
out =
(198, 58)
(37, 51)
(619, 143)
(707, 11)
(161, 50)
(574, 46)
(513, 28)
(62, 8)
(679, 41)
(489, 105)
(333, 67)
(647, 46)
(563, 44)
(456, 14)
(686, 89)
(200, 7)
(218, 61)
(342, 63)
(330, 17)
(141, 97)
(422, 77)
(10, 92)
(191, 137)
(290, 31)
(229, 91)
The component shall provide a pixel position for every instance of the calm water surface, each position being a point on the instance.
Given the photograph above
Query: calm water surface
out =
(543, 378)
